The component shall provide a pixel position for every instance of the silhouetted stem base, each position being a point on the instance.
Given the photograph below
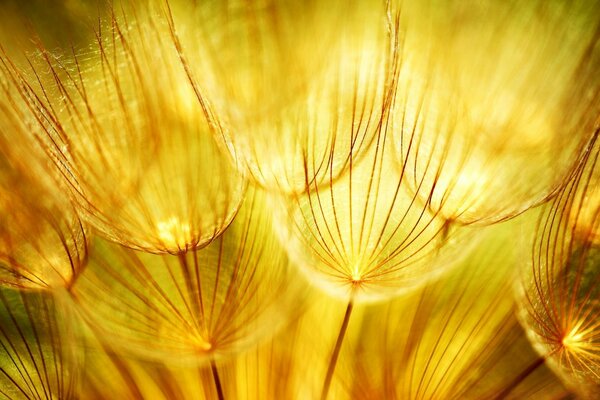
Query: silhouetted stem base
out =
(336, 351)
(217, 379)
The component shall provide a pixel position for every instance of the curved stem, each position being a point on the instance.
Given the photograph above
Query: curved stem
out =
(217, 379)
(336, 351)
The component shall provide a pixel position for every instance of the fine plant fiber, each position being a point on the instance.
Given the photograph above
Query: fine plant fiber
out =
(299, 199)
(37, 357)
(561, 291)
(131, 138)
(43, 242)
(200, 305)
(290, 117)
(488, 122)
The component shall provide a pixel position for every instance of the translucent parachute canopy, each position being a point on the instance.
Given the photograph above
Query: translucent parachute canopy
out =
(37, 359)
(133, 138)
(365, 237)
(303, 85)
(195, 306)
(457, 337)
(561, 294)
(39, 250)
(495, 103)
(42, 241)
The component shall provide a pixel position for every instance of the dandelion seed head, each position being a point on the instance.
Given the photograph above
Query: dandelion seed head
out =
(195, 304)
(496, 103)
(562, 322)
(562, 295)
(43, 243)
(144, 148)
(363, 236)
(331, 88)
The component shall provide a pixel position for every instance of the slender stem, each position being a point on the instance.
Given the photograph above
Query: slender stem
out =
(336, 351)
(215, 374)
(520, 378)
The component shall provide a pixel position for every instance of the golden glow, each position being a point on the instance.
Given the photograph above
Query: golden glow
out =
(173, 233)
(147, 153)
(197, 304)
(364, 237)
(562, 294)
(299, 199)
(458, 113)
(325, 107)
(43, 243)
(574, 340)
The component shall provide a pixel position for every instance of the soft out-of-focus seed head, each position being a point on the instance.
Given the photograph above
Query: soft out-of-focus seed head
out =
(204, 304)
(495, 102)
(455, 338)
(38, 359)
(562, 322)
(303, 86)
(364, 237)
(43, 243)
(485, 106)
(133, 139)
(561, 296)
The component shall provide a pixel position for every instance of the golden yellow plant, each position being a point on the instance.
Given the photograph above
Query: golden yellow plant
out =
(365, 238)
(37, 356)
(372, 133)
(303, 86)
(456, 338)
(43, 244)
(561, 295)
(495, 102)
(133, 138)
(196, 307)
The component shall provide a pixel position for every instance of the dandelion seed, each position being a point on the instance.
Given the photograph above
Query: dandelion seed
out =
(456, 338)
(561, 295)
(302, 85)
(133, 138)
(364, 237)
(37, 357)
(495, 103)
(195, 307)
(43, 244)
